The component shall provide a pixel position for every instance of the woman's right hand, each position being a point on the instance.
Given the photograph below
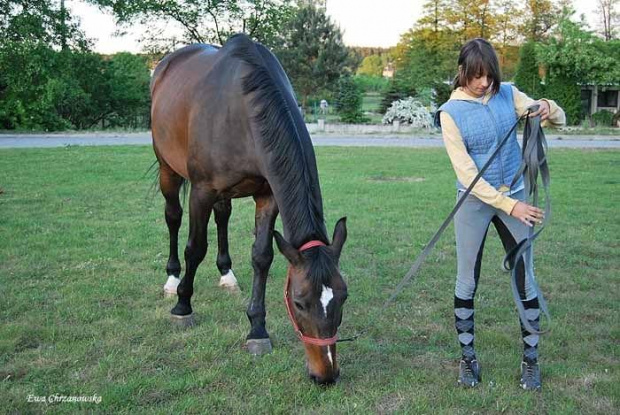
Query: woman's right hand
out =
(527, 214)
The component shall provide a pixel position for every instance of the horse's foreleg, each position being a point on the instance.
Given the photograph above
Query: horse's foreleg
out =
(262, 255)
(200, 206)
(222, 211)
(170, 183)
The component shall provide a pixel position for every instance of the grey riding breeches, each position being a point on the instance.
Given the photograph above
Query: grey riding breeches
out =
(471, 223)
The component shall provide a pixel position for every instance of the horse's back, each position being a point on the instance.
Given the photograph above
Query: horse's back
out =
(221, 117)
(175, 58)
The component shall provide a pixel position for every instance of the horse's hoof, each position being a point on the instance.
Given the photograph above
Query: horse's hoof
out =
(170, 288)
(229, 283)
(258, 347)
(183, 322)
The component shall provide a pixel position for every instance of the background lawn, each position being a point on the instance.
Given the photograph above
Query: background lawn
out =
(371, 103)
(83, 246)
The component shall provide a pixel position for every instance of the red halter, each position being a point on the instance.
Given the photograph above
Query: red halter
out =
(289, 309)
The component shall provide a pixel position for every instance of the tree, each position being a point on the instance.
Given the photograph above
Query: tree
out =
(348, 101)
(28, 93)
(426, 55)
(435, 15)
(508, 17)
(539, 18)
(471, 18)
(49, 80)
(433, 32)
(41, 21)
(507, 36)
(425, 64)
(312, 52)
(38, 83)
(575, 51)
(364, 51)
(371, 65)
(372, 83)
(610, 18)
(527, 78)
(129, 80)
(574, 55)
(208, 21)
(85, 76)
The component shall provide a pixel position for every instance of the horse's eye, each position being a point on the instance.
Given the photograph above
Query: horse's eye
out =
(299, 306)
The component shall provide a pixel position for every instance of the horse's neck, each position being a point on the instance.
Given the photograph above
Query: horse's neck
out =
(288, 154)
(302, 221)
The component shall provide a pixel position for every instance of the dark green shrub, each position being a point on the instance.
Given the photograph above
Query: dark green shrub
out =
(396, 91)
(566, 92)
(603, 118)
(348, 102)
(526, 76)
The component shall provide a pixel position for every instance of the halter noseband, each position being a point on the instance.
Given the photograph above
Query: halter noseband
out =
(289, 309)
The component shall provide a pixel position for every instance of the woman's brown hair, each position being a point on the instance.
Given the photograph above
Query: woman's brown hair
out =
(478, 57)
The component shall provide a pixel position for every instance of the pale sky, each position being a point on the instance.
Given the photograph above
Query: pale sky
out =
(364, 22)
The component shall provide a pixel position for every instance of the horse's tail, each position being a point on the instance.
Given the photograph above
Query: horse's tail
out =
(153, 172)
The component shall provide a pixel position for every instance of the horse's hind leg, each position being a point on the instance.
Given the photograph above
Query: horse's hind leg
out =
(200, 205)
(170, 183)
(262, 255)
(222, 210)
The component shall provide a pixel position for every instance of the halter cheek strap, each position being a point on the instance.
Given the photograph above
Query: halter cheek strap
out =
(289, 308)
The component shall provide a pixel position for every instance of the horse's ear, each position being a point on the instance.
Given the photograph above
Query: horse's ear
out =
(340, 236)
(290, 253)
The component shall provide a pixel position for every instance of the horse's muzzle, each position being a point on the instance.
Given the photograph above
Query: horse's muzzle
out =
(325, 380)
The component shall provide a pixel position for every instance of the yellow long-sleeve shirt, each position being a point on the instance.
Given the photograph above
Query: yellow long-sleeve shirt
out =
(464, 165)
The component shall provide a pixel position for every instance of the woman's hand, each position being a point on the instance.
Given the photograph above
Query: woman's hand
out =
(543, 109)
(527, 214)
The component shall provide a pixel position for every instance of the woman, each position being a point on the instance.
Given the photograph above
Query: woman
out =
(481, 110)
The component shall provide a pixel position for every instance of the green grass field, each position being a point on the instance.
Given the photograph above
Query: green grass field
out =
(83, 246)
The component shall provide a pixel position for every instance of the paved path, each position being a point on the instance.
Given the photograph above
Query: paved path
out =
(105, 139)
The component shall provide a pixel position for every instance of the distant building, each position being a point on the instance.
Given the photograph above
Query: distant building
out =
(388, 71)
(595, 98)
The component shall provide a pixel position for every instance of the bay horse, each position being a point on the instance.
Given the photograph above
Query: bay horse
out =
(226, 120)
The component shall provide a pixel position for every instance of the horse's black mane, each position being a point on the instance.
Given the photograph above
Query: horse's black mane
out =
(285, 138)
(323, 267)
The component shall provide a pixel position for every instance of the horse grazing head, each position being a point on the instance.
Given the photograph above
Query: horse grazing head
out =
(314, 295)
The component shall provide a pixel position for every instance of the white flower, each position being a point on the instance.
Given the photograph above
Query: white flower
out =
(411, 111)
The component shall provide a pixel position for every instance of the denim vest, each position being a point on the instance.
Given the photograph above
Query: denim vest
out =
(482, 128)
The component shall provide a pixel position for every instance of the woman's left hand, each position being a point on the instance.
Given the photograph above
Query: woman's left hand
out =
(543, 109)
